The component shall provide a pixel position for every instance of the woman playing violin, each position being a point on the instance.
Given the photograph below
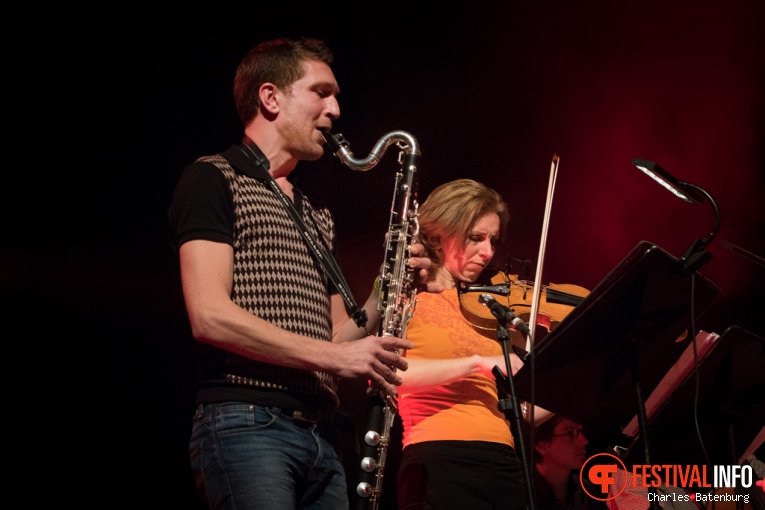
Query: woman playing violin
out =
(458, 448)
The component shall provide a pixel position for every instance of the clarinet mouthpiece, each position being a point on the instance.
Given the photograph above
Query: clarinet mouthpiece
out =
(335, 142)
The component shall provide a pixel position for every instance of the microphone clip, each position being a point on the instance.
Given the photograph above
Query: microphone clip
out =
(498, 310)
(503, 314)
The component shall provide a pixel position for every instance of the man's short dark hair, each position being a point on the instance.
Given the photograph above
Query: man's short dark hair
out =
(278, 62)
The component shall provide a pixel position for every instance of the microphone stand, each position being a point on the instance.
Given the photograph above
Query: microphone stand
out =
(509, 405)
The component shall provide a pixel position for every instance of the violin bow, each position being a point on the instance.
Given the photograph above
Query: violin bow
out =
(545, 226)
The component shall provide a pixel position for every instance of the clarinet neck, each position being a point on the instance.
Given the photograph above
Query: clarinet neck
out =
(341, 149)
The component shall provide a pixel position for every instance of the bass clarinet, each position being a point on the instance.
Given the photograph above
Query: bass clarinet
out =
(397, 295)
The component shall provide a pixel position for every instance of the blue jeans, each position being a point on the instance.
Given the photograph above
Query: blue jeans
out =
(245, 456)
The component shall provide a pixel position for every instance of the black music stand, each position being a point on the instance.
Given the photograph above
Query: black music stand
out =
(731, 406)
(618, 343)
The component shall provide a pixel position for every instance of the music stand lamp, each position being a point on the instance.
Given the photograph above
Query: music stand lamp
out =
(696, 255)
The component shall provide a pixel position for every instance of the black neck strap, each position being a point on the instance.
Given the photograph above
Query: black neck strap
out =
(328, 262)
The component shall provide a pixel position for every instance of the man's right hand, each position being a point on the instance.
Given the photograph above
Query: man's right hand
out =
(373, 358)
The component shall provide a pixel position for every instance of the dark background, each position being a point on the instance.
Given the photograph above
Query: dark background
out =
(121, 103)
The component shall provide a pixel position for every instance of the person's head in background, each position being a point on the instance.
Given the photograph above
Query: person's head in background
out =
(560, 447)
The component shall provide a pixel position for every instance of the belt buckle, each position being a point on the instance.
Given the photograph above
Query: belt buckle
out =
(298, 415)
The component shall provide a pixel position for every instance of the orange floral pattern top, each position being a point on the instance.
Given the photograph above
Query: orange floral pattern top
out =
(463, 410)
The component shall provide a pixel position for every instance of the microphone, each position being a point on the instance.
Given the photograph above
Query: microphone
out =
(502, 312)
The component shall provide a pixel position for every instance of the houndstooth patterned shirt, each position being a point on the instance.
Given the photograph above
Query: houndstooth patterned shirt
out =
(276, 276)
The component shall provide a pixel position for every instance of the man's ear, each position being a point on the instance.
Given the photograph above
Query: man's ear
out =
(268, 102)
(541, 447)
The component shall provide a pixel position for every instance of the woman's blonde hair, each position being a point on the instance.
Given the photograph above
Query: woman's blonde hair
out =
(450, 212)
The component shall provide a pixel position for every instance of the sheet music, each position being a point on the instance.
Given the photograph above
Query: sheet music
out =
(678, 373)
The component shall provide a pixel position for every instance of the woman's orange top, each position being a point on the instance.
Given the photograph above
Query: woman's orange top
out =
(463, 410)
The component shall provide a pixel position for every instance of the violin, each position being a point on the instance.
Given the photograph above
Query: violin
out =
(556, 301)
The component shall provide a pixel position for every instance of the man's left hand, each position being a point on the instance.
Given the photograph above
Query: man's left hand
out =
(416, 261)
